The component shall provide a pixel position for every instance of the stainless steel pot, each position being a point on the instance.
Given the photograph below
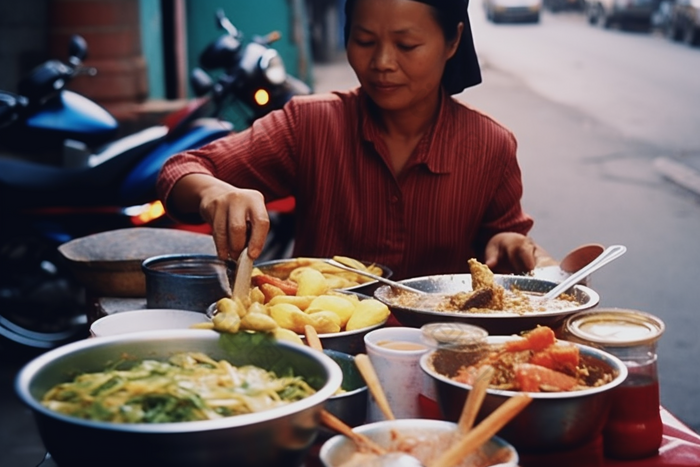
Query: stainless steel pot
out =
(186, 281)
(277, 437)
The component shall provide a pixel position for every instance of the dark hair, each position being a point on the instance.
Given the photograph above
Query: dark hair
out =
(462, 70)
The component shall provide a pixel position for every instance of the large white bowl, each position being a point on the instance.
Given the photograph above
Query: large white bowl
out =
(338, 449)
(145, 320)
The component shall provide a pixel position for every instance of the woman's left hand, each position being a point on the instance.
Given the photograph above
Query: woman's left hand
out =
(511, 252)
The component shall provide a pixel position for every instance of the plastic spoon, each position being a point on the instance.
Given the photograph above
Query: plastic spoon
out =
(609, 254)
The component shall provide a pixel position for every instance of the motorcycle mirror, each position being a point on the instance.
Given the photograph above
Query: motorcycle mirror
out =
(225, 23)
(201, 82)
(77, 49)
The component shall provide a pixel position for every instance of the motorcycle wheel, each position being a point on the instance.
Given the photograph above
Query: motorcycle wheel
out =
(41, 305)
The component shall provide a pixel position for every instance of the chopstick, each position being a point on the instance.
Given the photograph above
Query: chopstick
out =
(474, 399)
(367, 370)
(312, 339)
(483, 431)
(360, 440)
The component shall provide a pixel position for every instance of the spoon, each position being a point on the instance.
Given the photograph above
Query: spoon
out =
(609, 254)
(384, 280)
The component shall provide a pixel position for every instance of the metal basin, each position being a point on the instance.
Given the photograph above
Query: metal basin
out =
(494, 322)
(277, 437)
(553, 421)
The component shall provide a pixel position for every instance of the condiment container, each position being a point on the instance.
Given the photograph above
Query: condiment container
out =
(456, 345)
(634, 428)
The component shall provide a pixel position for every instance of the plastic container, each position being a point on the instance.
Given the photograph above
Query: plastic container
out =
(634, 428)
(456, 345)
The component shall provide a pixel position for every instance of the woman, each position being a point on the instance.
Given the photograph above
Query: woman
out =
(395, 171)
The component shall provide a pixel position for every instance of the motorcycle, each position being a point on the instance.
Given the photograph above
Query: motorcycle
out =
(252, 79)
(64, 176)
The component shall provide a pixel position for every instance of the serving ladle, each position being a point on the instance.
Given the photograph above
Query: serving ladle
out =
(610, 253)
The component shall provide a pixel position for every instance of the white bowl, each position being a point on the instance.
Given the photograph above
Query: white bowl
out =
(338, 449)
(145, 320)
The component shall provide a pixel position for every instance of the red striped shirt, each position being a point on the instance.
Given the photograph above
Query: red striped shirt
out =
(461, 185)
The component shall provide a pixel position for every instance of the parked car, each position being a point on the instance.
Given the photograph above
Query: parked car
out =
(684, 22)
(622, 12)
(564, 5)
(499, 11)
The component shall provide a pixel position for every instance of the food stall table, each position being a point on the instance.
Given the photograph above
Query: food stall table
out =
(680, 446)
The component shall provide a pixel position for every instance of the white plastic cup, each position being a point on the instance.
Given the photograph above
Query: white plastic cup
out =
(395, 353)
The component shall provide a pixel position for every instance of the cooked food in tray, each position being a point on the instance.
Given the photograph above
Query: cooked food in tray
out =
(537, 362)
(188, 387)
(486, 296)
(285, 306)
(293, 271)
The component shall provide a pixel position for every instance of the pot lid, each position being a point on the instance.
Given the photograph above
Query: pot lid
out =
(615, 327)
(135, 244)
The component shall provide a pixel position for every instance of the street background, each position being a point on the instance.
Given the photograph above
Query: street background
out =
(596, 113)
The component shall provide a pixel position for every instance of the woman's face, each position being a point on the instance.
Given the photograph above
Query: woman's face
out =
(398, 52)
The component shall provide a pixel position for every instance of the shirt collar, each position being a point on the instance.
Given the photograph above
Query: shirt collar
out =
(434, 161)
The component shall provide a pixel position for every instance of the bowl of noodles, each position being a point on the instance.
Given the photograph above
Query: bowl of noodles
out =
(179, 398)
(500, 303)
(570, 385)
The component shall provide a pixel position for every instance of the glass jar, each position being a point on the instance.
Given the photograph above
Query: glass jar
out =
(456, 345)
(634, 428)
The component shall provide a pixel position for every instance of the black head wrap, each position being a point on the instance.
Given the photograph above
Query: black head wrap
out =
(462, 70)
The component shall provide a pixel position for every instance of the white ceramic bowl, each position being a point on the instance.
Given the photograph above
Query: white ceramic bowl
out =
(338, 449)
(145, 320)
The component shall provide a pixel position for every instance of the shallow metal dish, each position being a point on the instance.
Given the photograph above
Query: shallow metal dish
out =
(367, 288)
(277, 437)
(349, 342)
(553, 421)
(494, 322)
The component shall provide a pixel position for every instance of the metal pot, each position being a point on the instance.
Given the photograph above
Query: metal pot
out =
(280, 436)
(186, 282)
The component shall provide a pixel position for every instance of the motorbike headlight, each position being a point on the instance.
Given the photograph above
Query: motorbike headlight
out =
(272, 67)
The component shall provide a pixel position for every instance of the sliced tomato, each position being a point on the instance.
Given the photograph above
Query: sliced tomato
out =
(561, 357)
(532, 378)
(539, 338)
(287, 286)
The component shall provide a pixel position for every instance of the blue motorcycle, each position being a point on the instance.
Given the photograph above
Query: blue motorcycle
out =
(63, 175)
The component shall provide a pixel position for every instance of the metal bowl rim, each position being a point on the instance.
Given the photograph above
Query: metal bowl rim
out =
(612, 360)
(27, 373)
(594, 299)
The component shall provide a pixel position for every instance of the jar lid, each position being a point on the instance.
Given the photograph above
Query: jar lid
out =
(615, 327)
(452, 334)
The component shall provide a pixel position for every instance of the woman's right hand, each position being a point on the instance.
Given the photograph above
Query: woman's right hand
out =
(237, 216)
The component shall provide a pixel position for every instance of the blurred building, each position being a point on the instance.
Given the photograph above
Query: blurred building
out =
(143, 50)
